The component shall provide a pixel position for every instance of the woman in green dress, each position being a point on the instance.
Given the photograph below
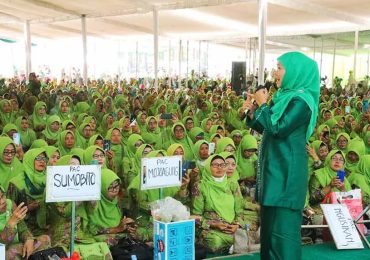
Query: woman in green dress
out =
(14, 234)
(66, 142)
(52, 130)
(325, 180)
(39, 117)
(105, 217)
(287, 124)
(10, 166)
(29, 188)
(216, 206)
(28, 135)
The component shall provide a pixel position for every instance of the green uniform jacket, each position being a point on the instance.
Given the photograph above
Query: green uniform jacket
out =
(283, 158)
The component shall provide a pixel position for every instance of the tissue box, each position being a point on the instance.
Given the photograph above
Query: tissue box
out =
(174, 240)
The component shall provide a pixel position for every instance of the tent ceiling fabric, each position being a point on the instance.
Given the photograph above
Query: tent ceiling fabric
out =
(291, 23)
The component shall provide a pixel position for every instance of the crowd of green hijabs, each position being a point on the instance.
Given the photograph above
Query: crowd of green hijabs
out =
(117, 124)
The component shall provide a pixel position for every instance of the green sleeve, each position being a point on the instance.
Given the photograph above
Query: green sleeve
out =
(23, 231)
(296, 114)
(238, 202)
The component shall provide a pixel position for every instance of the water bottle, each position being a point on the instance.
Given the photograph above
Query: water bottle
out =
(133, 257)
(94, 162)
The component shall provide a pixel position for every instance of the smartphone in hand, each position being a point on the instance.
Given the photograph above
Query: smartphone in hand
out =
(106, 145)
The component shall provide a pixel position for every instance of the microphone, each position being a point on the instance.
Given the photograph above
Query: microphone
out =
(257, 89)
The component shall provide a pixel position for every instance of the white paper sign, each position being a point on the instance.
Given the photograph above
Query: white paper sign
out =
(2, 251)
(73, 183)
(341, 226)
(160, 172)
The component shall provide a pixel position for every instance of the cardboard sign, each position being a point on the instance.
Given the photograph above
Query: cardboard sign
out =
(341, 226)
(161, 172)
(73, 183)
(174, 240)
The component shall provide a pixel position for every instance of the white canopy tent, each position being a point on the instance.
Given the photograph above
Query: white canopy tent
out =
(291, 24)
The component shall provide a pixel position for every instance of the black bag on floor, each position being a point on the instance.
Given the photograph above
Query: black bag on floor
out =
(200, 252)
(44, 254)
(127, 247)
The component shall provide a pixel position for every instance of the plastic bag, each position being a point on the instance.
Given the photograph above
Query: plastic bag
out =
(169, 210)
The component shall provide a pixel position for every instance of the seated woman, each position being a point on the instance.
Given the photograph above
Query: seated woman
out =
(28, 136)
(216, 206)
(51, 133)
(105, 216)
(29, 188)
(60, 214)
(14, 233)
(325, 180)
(10, 166)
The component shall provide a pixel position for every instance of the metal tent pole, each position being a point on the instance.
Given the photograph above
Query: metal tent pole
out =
(84, 48)
(262, 20)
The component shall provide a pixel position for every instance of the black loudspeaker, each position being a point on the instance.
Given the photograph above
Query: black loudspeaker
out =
(238, 75)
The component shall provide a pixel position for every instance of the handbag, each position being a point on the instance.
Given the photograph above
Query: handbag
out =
(44, 254)
(128, 247)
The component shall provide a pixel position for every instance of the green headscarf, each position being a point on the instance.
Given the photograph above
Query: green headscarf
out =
(27, 136)
(47, 132)
(66, 123)
(89, 152)
(38, 120)
(93, 139)
(358, 147)
(39, 143)
(9, 127)
(301, 79)
(235, 177)
(62, 142)
(131, 149)
(8, 171)
(218, 193)
(326, 174)
(185, 142)
(367, 142)
(107, 213)
(50, 150)
(247, 166)
(6, 118)
(81, 141)
(194, 132)
(223, 143)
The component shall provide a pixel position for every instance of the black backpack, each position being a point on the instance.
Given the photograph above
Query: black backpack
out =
(127, 247)
(44, 254)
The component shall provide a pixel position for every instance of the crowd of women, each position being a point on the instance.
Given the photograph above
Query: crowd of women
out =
(64, 125)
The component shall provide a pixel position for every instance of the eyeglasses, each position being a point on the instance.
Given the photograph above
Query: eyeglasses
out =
(9, 152)
(338, 159)
(97, 156)
(218, 165)
(179, 130)
(41, 159)
(114, 188)
(229, 149)
(230, 164)
(342, 141)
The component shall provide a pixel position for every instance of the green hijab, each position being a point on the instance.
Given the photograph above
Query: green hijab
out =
(247, 166)
(302, 80)
(6, 118)
(9, 127)
(223, 143)
(39, 143)
(65, 123)
(93, 139)
(235, 177)
(50, 150)
(194, 132)
(81, 141)
(356, 146)
(62, 142)
(28, 135)
(48, 133)
(107, 213)
(326, 174)
(38, 120)
(131, 149)
(8, 171)
(89, 152)
(218, 193)
(186, 142)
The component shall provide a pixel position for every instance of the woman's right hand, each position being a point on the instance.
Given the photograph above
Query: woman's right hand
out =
(220, 226)
(335, 182)
(18, 214)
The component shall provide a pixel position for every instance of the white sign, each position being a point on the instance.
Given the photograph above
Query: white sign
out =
(341, 226)
(73, 183)
(2, 251)
(161, 172)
